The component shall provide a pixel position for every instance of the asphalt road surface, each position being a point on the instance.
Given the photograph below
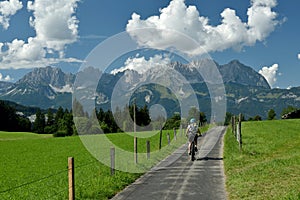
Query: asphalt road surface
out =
(178, 178)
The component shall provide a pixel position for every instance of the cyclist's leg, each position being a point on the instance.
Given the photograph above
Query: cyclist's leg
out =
(189, 148)
(190, 139)
(196, 142)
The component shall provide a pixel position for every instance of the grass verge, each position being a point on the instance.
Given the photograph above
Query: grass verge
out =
(268, 166)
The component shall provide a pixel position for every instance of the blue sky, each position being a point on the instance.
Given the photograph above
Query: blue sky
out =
(264, 34)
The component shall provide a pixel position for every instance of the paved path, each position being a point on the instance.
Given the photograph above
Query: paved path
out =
(178, 178)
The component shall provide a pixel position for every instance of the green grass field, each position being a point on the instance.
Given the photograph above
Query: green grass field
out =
(269, 165)
(35, 166)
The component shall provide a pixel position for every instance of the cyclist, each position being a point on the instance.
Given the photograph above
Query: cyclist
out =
(192, 132)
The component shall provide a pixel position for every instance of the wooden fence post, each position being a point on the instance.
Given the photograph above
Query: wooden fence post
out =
(135, 150)
(232, 124)
(112, 161)
(181, 131)
(148, 149)
(175, 135)
(240, 132)
(71, 178)
(160, 138)
(240, 142)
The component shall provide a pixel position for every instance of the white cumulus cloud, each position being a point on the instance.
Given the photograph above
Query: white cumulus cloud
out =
(299, 56)
(6, 78)
(8, 9)
(232, 32)
(55, 25)
(141, 64)
(270, 74)
(54, 22)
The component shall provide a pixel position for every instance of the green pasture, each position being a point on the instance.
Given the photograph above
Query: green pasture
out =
(21, 136)
(35, 166)
(269, 165)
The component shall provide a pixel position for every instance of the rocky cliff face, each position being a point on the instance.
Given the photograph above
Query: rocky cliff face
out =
(4, 86)
(47, 76)
(236, 72)
(41, 88)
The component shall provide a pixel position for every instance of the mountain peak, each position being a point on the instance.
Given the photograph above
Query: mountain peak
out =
(235, 61)
(237, 72)
(48, 76)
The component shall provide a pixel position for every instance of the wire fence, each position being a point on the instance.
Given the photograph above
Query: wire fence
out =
(52, 186)
(90, 176)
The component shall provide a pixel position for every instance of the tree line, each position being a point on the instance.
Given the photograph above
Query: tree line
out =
(271, 115)
(10, 120)
(60, 122)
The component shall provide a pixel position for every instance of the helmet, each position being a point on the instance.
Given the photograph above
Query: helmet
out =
(192, 120)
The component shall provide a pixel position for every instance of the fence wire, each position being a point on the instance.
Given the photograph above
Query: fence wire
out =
(9, 192)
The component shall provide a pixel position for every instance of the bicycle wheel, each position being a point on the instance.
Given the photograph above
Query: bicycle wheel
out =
(193, 151)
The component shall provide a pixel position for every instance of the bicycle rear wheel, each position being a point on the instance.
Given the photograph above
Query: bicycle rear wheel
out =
(193, 151)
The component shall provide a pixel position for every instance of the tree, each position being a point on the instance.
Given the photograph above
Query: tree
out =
(59, 114)
(39, 123)
(143, 117)
(50, 127)
(24, 124)
(271, 114)
(194, 113)
(11, 121)
(202, 118)
(257, 118)
(8, 117)
(50, 118)
(228, 117)
(68, 123)
(173, 122)
(78, 109)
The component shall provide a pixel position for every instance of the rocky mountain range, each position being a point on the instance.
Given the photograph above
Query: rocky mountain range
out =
(43, 87)
(246, 90)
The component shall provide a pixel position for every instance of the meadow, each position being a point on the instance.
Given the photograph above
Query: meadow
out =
(35, 166)
(269, 165)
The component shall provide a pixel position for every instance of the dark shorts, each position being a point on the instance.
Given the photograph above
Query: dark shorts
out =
(193, 137)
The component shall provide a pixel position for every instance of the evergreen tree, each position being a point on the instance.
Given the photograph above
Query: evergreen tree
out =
(59, 114)
(194, 113)
(202, 118)
(143, 117)
(24, 124)
(257, 118)
(39, 123)
(9, 120)
(228, 117)
(271, 114)
(173, 122)
(78, 109)
(100, 115)
(68, 123)
(50, 118)
(51, 126)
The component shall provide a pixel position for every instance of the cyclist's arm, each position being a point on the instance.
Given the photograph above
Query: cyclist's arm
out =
(187, 131)
(199, 132)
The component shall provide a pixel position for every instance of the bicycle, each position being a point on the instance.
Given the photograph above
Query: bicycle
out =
(192, 151)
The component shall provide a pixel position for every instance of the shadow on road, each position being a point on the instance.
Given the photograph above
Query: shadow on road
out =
(209, 158)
